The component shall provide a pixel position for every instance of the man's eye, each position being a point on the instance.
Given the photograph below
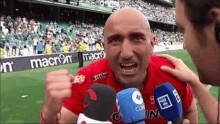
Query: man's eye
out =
(138, 39)
(114, 41)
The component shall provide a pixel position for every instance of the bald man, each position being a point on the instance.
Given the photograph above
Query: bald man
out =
(129, 62)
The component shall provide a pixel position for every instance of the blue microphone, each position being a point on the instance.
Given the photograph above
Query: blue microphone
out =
(130, 105)
(168, 103)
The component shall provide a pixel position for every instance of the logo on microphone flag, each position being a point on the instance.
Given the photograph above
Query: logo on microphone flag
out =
(164, 102)
(136, 97)
(92, 96)
(175, 93)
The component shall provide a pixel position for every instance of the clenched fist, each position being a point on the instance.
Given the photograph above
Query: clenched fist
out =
(57, 88)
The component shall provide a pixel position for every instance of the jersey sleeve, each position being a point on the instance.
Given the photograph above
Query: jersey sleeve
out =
(186, 94)
(78, 90)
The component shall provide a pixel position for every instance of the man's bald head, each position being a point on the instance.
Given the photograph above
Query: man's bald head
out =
(128, 40)
(127, 14)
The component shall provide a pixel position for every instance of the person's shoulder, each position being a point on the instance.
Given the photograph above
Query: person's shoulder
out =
(159, 61)
(162, 77)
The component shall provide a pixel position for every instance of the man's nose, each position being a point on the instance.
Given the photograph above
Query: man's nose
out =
(126, 50)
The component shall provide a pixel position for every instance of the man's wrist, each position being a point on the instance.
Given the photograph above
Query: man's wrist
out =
(194, 81)
(48, 116)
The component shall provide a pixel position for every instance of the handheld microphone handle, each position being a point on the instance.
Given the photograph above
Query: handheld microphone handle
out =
(177, 121)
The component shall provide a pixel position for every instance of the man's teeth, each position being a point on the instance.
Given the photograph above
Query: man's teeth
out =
(130, 64)
(128, 70)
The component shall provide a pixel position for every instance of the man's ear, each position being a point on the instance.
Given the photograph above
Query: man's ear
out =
(152, 41)
(103, 44)
(214, 14)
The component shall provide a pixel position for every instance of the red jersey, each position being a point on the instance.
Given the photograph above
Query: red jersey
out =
(100, 72)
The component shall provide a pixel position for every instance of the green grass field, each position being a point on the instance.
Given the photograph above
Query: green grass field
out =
(15, 109)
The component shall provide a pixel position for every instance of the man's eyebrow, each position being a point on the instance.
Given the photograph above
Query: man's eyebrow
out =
(137, 34)
(113, 36)
(130, 34)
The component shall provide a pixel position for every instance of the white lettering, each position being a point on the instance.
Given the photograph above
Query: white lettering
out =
(139, 108)
(93, 56)
(6, 67)
(58, 58)
(49, 60)
(36, 61)
(175, 93)
(45, 62)
(62, 56)
(85, 57)
(1, 67)
(103, 54)
(66, 59)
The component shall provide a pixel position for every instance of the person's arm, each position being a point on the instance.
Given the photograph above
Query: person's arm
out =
(191, 113)
(66, 116)
(205, 100)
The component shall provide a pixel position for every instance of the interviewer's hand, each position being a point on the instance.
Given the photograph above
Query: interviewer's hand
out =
(181, 71)
(57, 88)
(186, 121)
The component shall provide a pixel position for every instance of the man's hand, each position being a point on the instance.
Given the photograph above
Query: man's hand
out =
(186, 121)
(57, 88)
(181, 71)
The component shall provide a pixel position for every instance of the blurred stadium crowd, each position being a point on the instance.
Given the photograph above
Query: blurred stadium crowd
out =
(23, 37)
(155, 11)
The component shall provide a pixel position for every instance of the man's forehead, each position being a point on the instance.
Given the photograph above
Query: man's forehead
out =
(127, 16)
(126, 13)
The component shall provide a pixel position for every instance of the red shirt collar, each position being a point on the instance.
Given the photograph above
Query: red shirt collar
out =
(149, 84)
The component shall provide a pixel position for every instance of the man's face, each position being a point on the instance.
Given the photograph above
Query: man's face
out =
(201, 45)
(128, 47)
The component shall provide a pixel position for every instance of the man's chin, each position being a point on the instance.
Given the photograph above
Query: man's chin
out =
(127, 82)
(206, 80)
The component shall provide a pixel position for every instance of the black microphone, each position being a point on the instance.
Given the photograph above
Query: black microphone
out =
(98, 104)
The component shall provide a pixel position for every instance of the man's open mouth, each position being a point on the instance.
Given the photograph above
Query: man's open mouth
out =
(129, 68)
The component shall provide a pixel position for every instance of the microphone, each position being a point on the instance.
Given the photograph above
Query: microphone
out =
(130, 105)
(98, 104)
(168, 102)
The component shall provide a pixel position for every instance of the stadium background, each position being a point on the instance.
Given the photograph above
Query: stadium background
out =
(22, 92)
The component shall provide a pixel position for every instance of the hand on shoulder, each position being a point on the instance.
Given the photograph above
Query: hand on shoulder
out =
(181, 71)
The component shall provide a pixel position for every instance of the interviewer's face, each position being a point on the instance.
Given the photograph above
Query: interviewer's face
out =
(128, 47)
(201, 45)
